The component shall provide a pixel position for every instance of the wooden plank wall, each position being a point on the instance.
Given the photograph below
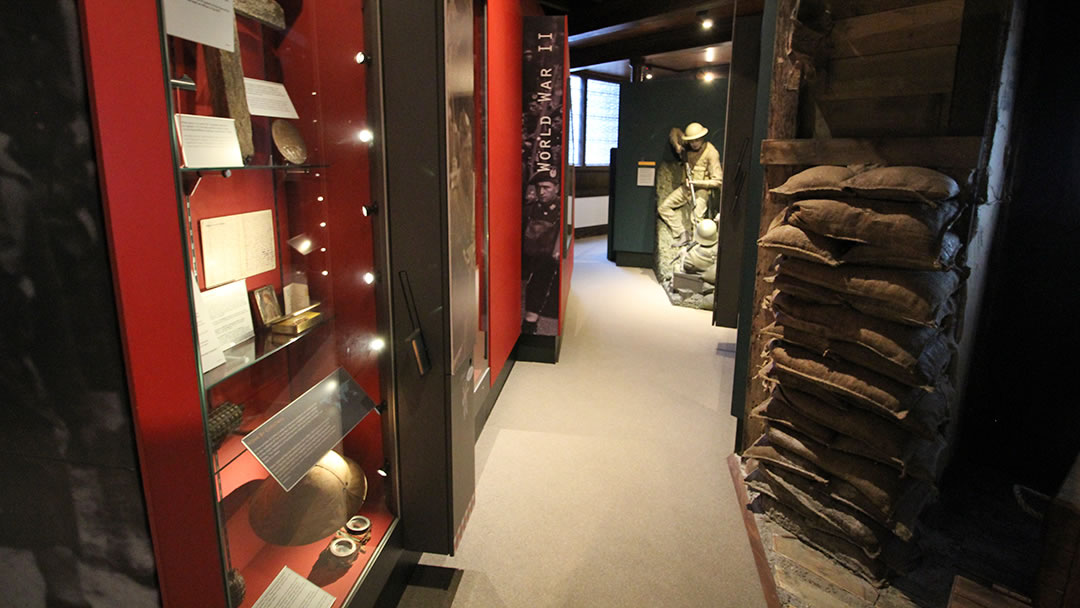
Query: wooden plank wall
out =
(876, 81)
(887, 72)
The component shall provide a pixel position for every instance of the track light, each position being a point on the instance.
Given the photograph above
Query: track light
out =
(369, 277)
(370, 209)
(361, 57)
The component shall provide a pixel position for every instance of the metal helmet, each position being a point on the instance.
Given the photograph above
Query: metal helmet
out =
(693, 131)
(705, 233)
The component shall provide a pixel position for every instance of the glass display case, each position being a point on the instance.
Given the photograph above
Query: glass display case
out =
(275, 202)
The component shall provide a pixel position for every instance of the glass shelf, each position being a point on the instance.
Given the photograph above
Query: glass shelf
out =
(251, 351)
(287, 167)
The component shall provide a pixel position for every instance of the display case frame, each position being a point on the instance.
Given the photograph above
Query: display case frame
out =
(131, 112)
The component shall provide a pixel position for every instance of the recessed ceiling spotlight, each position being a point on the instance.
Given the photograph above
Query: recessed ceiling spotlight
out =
(706, 23)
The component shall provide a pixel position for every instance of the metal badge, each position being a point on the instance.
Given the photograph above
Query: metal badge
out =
(288, 141)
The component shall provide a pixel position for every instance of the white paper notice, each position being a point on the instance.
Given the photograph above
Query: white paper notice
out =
(210, 354)
(237, 246)
(646, 176)
(290, 590)
(208, 141)
(205, 21)
(227, 308)
(268, 99)
(296, 297)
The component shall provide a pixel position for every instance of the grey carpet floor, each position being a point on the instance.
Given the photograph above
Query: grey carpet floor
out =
(601, 480)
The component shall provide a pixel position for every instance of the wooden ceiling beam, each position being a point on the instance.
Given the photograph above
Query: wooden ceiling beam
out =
(651, 44)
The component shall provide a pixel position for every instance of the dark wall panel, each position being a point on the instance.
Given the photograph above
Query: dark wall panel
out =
(72, 515)
(647, 113)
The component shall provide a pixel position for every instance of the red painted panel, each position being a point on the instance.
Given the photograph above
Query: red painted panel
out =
(504, 177)
(138, 189)
(567, 262)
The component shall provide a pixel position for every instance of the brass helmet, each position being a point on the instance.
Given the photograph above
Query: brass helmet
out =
(320, 503)
(694, 131)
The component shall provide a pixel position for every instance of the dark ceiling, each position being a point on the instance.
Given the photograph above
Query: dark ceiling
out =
(667, 36)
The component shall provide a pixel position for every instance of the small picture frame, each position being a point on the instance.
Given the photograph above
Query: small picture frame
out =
(266, 303)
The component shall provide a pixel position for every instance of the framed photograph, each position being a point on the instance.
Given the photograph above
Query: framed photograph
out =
(266, 303)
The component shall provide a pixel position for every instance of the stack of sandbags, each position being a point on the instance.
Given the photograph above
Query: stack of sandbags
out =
(865, 282)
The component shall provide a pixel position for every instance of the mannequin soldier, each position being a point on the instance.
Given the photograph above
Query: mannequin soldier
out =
(701, 173)
(701, 254)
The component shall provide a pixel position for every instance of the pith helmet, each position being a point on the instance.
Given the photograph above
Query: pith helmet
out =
(694, 130)
(705, 232)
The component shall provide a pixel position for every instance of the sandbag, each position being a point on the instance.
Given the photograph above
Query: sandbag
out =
(873, 538)
(906, 296)
(924, 422)
(824, 179)
(917, 184)
(918, 229)
(796, 242)
(941, 257)
(780, 413)
(804, 290)
(880, 485)
(901, 521)
(922, 352)
(828, 348)
(856, 384)
(861, 433)
(844, 552)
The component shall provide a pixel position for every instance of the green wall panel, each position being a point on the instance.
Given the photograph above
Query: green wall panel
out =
(647, 112)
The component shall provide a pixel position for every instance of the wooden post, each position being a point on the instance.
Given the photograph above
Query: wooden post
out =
(783, 111)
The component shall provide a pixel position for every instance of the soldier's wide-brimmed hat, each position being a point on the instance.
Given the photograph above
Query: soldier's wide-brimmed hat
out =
(694, 130)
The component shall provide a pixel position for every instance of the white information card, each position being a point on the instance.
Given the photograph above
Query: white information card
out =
(205, 21)
(268, 99)
(237, 246)
(209, 348)
(227, 309)
(646, 173)
(208, 141)
(290, 590)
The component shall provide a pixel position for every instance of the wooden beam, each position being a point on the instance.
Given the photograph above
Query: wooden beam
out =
(757, 549)
(651, 44)
(955, 152)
